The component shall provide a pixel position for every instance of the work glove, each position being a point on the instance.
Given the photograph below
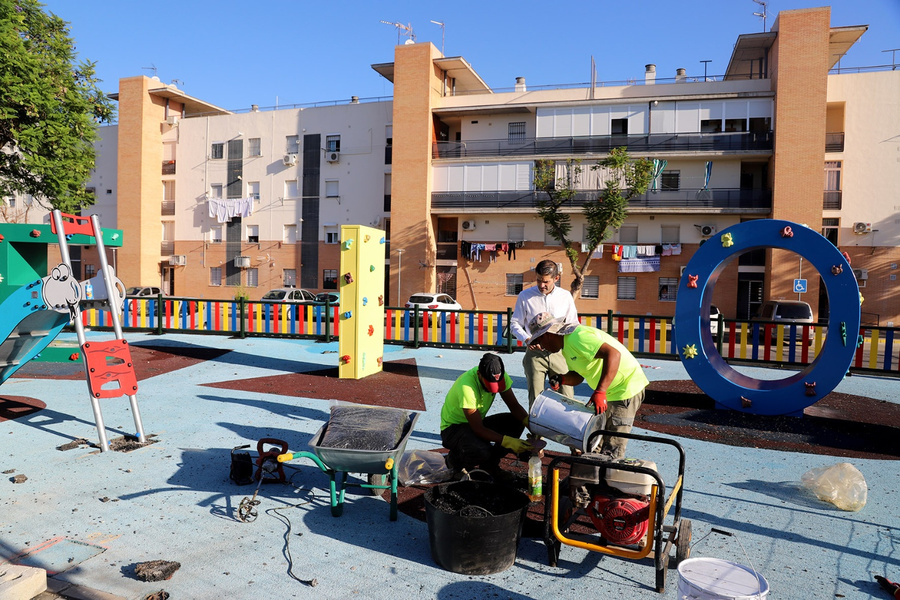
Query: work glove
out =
(516, 445)
(555, 381)
(599, 400)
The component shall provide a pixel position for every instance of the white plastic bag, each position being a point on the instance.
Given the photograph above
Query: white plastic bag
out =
(422, 467)
(841, 484)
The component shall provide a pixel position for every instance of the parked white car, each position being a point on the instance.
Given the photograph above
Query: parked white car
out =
(431, 302)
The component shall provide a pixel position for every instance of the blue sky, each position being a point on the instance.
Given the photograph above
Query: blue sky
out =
(234, 54)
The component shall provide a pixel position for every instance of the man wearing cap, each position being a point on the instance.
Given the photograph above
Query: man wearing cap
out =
(594, 356)
(473, 439)
(544, 297)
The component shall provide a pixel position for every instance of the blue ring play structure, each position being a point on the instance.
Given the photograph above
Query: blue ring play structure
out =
(709, 370)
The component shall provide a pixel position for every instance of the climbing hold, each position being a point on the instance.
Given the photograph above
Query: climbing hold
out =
(365, 300)
(689, 351)
(348, 243)
(380, 300)
(837, 270)
(810, 388)
(692, 281)
(35, 233)
(371, 329)
(366, 239)
(371, 268)
(347, 314)
(847, 256)
(382, 241)
(74, 356)
(348, 277)
(345, 358)
(787, 232)
(727, 242)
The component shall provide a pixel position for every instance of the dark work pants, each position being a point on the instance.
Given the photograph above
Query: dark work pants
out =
(468, 451)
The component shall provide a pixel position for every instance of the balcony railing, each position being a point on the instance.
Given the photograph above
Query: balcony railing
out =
(673, 142)
(834, 142)
(168, 167)
(168, 208)
(166, 248)
(715, 198)
(832, 200)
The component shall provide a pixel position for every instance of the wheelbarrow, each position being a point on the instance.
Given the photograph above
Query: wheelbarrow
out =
(379, 466)
(617, 507)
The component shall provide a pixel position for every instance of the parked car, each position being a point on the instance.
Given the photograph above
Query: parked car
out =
(334, 298)
(142, 292)
(785, 312)
(432, 302)
(293, 295)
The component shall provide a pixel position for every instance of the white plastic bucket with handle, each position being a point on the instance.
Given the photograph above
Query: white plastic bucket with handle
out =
(563, 420)
(717, 579)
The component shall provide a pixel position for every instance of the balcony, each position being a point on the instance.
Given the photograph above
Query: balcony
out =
(656, 143)
(834, 142)
(168, 208)
(832, 200)
(168, 167)
(685, 199)
(166, 248)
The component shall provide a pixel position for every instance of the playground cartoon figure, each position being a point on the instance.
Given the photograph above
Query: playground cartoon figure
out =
(61, 291)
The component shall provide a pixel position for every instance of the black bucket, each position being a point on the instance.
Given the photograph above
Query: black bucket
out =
(474, 526)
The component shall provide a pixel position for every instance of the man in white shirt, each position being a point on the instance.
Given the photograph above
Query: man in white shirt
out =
(543, 297)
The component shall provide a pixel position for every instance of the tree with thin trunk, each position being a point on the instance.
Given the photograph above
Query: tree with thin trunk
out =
(604, 210)
(49, 108)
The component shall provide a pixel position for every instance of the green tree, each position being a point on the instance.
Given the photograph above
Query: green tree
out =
(49, 108)
(604, 212)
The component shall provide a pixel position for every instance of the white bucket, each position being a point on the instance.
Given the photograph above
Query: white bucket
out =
(717, 579)
(563, 420)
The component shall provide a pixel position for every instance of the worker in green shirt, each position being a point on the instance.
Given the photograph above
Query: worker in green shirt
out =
(596, 357)
(474, 439)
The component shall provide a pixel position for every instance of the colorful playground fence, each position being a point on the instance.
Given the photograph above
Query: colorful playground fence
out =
(738, 342)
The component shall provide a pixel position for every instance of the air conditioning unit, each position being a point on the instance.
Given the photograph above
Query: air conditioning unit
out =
(242, 262)
(468, 225)
(332, 156)
(178, 260)
(290, 160)
(707, 230)
(172, 120)
(862, 228)
(861, 274)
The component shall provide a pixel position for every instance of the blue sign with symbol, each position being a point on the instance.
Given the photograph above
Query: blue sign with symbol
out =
(799, 286)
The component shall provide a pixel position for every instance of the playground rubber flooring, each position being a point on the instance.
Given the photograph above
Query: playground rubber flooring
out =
(202, 396)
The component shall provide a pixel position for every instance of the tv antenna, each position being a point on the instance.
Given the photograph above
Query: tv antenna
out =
(764, 13)
(441, 23)
(152, 67)
(403, 30)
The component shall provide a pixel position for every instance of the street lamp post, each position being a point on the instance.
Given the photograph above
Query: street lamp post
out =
(400, 252)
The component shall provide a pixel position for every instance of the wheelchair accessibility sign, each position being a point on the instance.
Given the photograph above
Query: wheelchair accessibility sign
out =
(799, 286)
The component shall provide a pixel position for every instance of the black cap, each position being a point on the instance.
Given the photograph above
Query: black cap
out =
(491, 371)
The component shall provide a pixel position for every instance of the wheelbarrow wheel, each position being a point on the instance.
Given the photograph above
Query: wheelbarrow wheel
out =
(378, 479)
(683, 542)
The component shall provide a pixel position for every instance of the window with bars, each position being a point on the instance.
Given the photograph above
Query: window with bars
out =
(290, 277)
(292, 144)
(516, 132)
(252, 277)
(215, 235)
(668, 289)
(254, 147)
(329, 279)
(626, 288)
(590, 287)
(217, 150)
(215, 276)
(332, 235)
(332, 143)
(514, 283)
(252, 234)
(670, 181)
(253, 190)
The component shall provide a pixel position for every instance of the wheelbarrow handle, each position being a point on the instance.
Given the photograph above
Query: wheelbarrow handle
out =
(287, 456)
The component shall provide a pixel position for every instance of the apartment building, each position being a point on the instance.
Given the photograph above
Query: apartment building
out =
(214, 203)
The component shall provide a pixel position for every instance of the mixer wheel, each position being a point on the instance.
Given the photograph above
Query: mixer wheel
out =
(683, 541)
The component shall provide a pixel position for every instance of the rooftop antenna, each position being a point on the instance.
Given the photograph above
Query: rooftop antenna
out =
(764, 13)
(705, 63)
(441, 23)
(177, 82)
(152, 67)
(401, 28)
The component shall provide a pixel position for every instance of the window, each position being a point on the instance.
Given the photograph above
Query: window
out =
(253, 147)
(329, 279)
(626, 288)
(11, 202)
(549, 240)
(332, 189)
(217, 150)
(332, 143)
(515, 232)
(290, 277)
(670, 234)
(289, 233)
(735, 125)
(516, 132)
(252, 277)
(291, 191)
(90, 270)
(590, 287)
(618, 126)
(215, 276)
(670, 181)
(253, 190)
(628, 234)
(332, 235)
(668, 289)
(252, 234)
(215, 190)
(215, 235)
(832, 175)
(711, 126)
(292, 144)
(168, 191)
(830, 229)
(514, 283)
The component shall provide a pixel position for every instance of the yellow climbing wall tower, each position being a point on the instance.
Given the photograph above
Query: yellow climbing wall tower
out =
(361, 343)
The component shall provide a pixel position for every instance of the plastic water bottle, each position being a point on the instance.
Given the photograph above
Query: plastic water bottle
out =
(535, 478)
